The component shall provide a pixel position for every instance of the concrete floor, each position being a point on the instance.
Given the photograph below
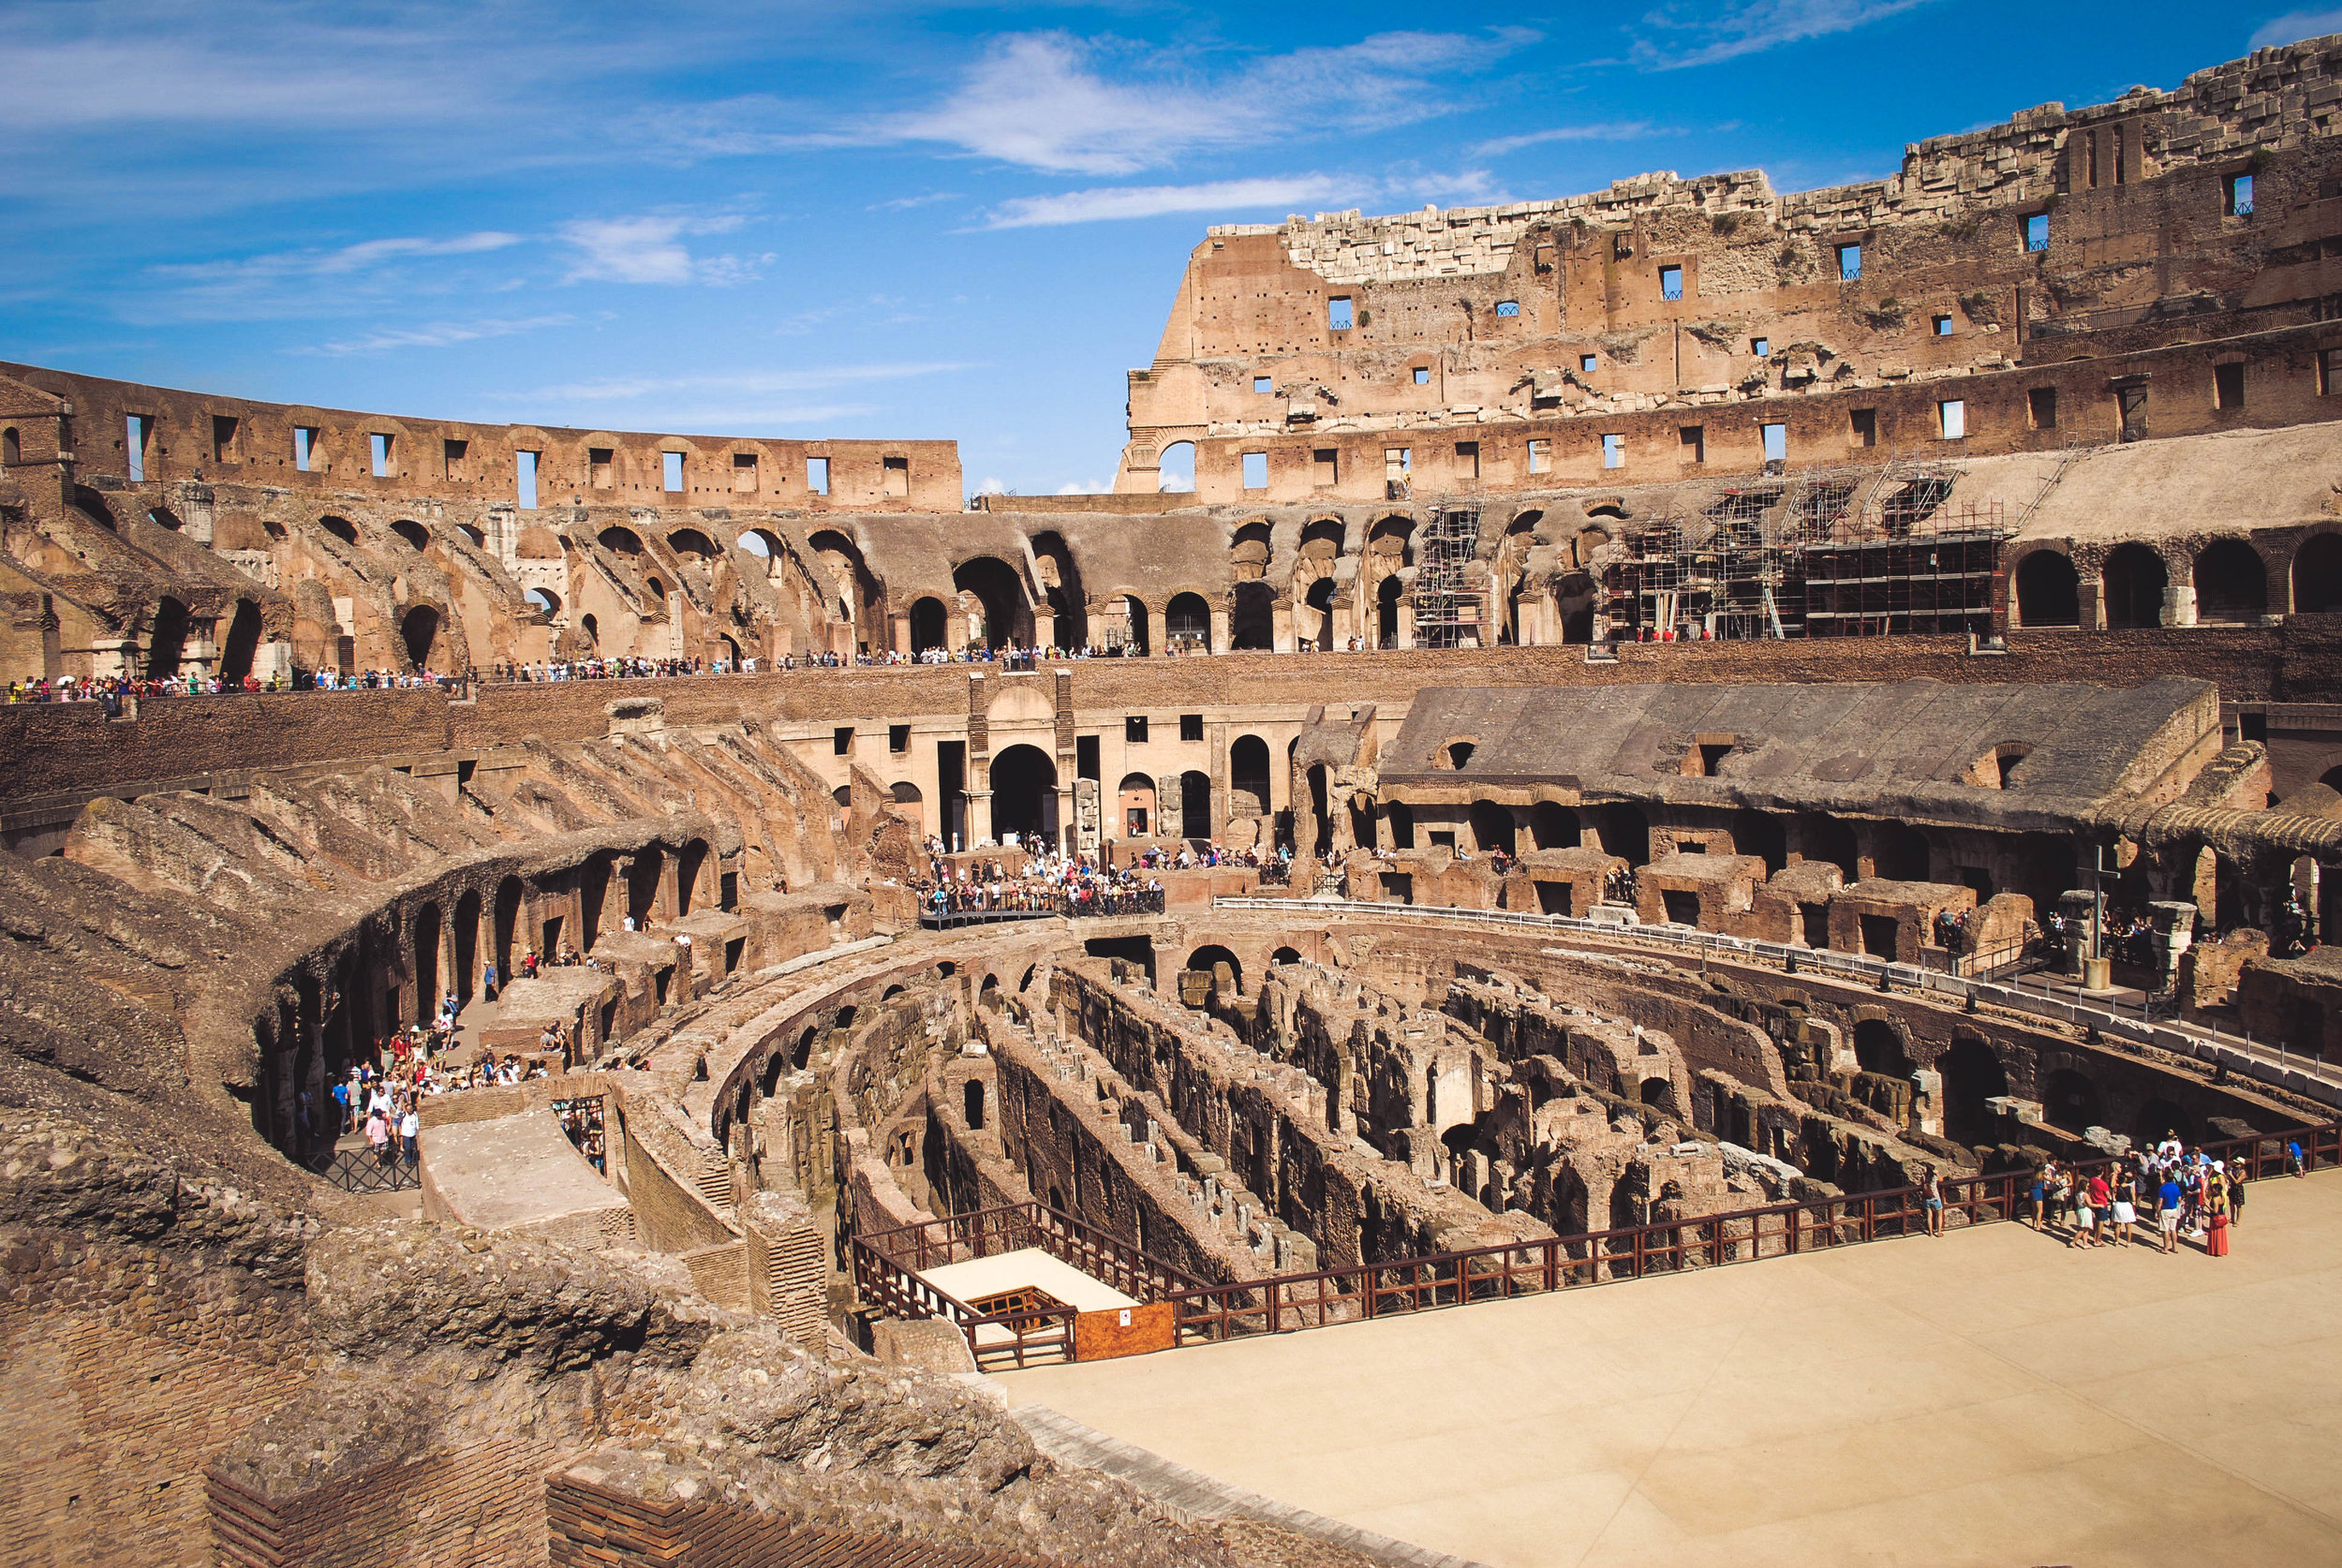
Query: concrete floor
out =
(1989, 1399)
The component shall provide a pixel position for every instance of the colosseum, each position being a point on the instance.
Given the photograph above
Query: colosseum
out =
(579, 997)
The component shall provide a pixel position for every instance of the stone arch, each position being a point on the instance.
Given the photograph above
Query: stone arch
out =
(1248, 776)
(1879, 1047)
(426, 949)
(2048, 590)
(163, 517)
(2232, 581)
(1553, 826)
(1492, 826)
(1135, 611)
(2318, 575)
(1212, 954)
(1973, 1076)
(971, 1103)
(418, 634)
(1319, 601)
(997, 590)
(1322, 538)
(692, 542)
(466, 934)
(1251, 550)
(506, 915)
(1174, 469)
(2070, 1101)
(1389, 594)
(910, 802)
(1134, 805)
(340, 527)
(545, 601)
(689, 865)
(1284, 955)
(1196, 812)
(1187, 620)
(1023, 780)
(242, 642)
(167, 639)
(412, 532)
(619, 539)
(928, 623)
(2132, 585)
(2159, 1119)
(1062, 583)
(1391, 542)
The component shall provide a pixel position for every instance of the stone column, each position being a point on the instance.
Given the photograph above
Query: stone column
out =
(979, 817)
(1220, 629)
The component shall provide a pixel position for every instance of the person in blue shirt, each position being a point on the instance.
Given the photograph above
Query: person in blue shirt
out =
(2170, 1197)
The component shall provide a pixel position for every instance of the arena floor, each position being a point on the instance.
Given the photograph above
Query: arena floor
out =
(1990, 1398)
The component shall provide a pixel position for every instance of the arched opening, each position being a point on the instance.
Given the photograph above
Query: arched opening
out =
(1175, 470)
(1829, 839)
(1248, 777)
(971, 1103)
(1062, 580)
(1320, 601)
(1210, 958)
(593, 892)
(619, 541)
(2159, 1120)
(1877, 1048)
(545, 601)
(466, 934)
(163, 517)
(2231, 583)
(1134, 805)
(1252, 622)
(1136, 609)
(1194, 805)
(1187, 622)
(910, 803)
(1131, 950)
(1656, 1092)
(473, 534)
(586, 623)
(1251, 550)
(1284, 955)
(1973, 1076)
(2317, 576)
(1491, 826)
(1400, 816)
(508, 920)
(928, 621)
(1325, 839)
(419, 629)
(1554, 827)
(412, 532)
(1387, 593)
(2135, 581)
(642, 883)
(1761, 833)
(690, 541)
(1024, 795)
(1627, 834)
(244, 641)
(1001, 597)
(763, 543)
(166, 640)
(1362, 832)
(803, 1055)
(690, 867)
(2069, 1101)
(2048, 590)
(656, 592)
(340, 527)
(11, 448)
(428, 963)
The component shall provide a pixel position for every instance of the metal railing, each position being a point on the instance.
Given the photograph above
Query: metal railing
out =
(361, 1170)
(2148, 1026)
(1145, 901)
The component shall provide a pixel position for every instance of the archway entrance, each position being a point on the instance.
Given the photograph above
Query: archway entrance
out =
(2231, 583)
(244, 641)
(1491, 826)
(2070, 1101)
(1187, 622)
(2135, 580)
(1253, 624)
(1386, 596)
(1971, 1077)
(1248, 777)
(2317, 576)
(1007, 619)
(2048, 591)
(927, 616)
(420, 632)
(1554, 827)
(1194, 805)
(167, 644)
(1024, 795)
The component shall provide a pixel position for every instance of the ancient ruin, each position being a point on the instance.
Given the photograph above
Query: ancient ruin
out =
(1668, 716)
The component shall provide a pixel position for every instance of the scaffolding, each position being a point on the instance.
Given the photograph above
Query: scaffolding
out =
(1451, 592)
(1848, 550)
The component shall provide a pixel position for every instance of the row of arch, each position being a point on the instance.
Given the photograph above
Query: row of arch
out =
(2230, 580)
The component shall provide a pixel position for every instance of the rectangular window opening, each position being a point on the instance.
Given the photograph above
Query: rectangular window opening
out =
(670, 472)
(1670, 282)
(2090, 160)
(452, 457)
(1397, 461)
(1264, 384)
(1695, 440)
(2238, 200)
(1864, 427)
(841, 741)
(379, 454)
(136, 431)
(2036, 232)
(1951, 419)
(1134, 730)
(898, 738)
(1325, 466)
(1508, 307)
(224, 428)
(1849, 262)
(817, 475)
(1540, 455)
(1942, 325)
(1586, 364)
(1468, 460)
(1776, 437)
(1760, 348)
(743, 472)
(1339, 316)
(2329, 371)
(1190, 726)
(2228, 387)
(304, 446)
(1423, 376)
(897, 476)
(525, 477)
(1614, 451)
(602, 464)
(1255, 470)
(2040, 407)
(1086, 757)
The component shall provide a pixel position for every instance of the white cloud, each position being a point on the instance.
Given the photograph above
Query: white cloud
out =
(649, 248)
(2296, 25)
(1279, 194)
(442, 334)
(1676, 36)
(636, 388)
(323, 263)
(1085, 487)
(1623, 130)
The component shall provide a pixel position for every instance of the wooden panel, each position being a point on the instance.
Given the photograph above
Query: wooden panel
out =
(1123, 1331)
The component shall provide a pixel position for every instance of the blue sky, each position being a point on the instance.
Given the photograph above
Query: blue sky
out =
(958, 220)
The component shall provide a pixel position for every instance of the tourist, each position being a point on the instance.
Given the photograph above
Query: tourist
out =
(409, 1132)
(2086, 1230)
(2125, 1205)
(2233, 1186)
(2216, 1220)
(2168, 1197)
(1931, 1198)
(2038, 1209)
(2293, 1161)
(488, 981)
(378, 1135)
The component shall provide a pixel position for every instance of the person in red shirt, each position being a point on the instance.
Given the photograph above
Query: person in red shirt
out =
(2101, 1203)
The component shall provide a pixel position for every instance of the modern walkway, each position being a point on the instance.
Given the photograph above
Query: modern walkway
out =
(1989, 1399)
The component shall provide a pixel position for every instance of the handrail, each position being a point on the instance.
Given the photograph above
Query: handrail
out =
(2299, 1074)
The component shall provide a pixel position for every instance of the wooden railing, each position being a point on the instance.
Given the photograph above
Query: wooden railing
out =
(887, 1265)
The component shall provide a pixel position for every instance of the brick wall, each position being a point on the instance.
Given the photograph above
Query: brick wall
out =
(481, 1506)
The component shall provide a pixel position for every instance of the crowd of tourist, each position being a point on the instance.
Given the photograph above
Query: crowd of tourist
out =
(1041, 882)
(2163, 1193)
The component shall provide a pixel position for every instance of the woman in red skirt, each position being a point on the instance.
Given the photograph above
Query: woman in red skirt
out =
(2216, 1218)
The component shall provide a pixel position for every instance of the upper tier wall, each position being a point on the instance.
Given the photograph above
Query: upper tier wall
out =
(200, 436)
